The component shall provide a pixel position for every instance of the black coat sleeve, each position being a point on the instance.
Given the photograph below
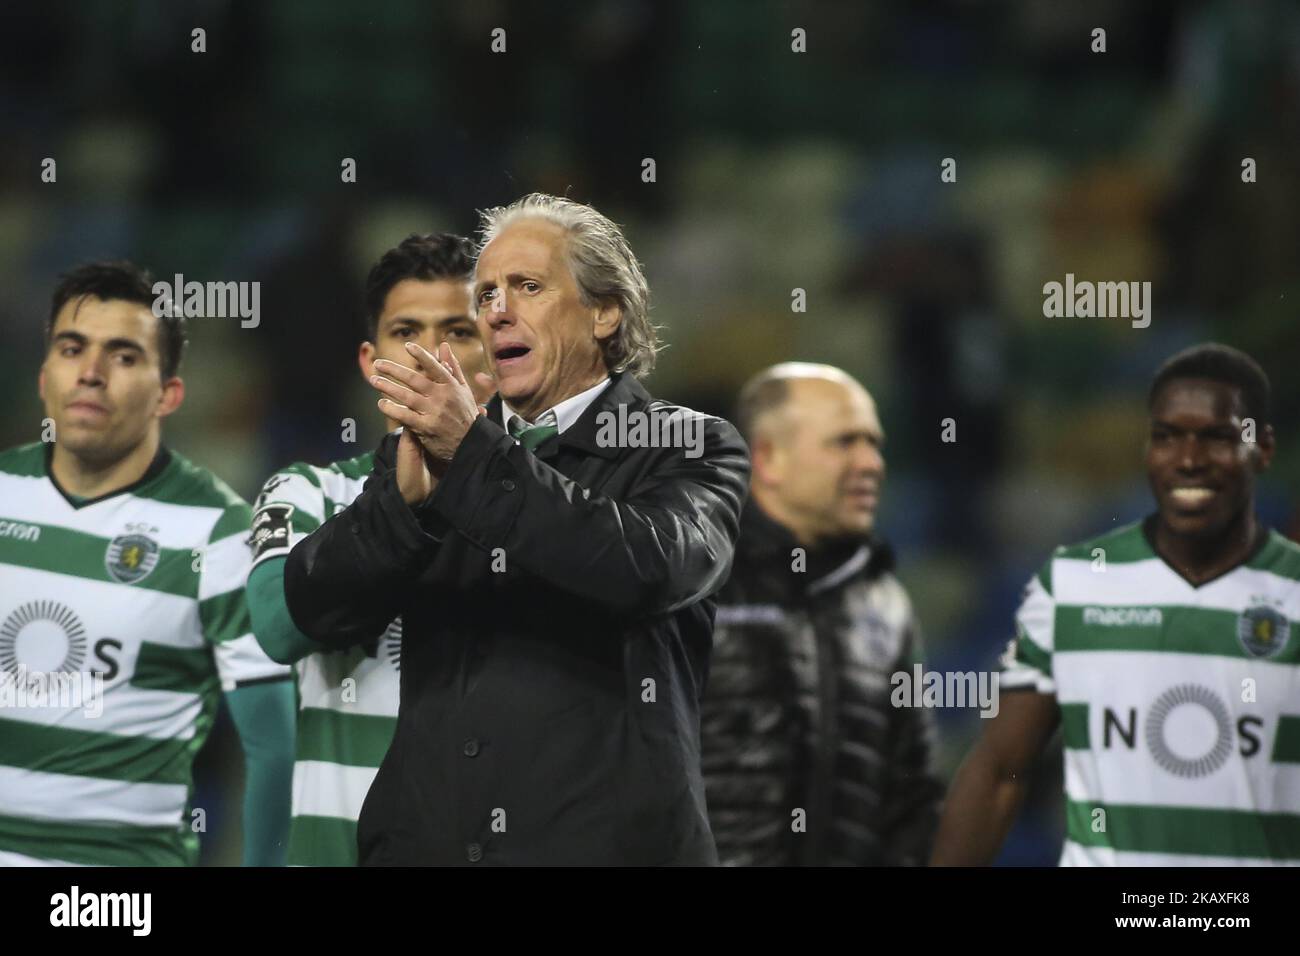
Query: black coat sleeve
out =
(665, 545)
(344, 582)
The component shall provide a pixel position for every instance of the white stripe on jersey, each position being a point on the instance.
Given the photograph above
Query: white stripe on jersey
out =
(329, 789)
(1075, 854)
(36, 501)
(244, 660)
(1121, 680)
(1151, 582)
(225, 565)
(17, 859)
(377, 688)
(70, 799)
(127, 712)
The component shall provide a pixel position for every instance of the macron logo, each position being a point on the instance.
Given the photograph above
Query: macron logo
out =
(102, 909)
(23, 532)
(1123, 616)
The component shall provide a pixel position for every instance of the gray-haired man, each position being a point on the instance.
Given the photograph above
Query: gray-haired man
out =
(556, 588)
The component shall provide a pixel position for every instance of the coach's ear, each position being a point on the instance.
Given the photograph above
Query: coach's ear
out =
(366, 360)
(173, 393)
(607, 319)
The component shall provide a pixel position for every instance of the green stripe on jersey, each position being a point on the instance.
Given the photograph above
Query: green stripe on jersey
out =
(1182, 630)
(86, 754)
(1121, 546)
(1286, 745)
(63, 551)
(355, 740)
(98, 845)
(322, 841)
(186, 670)
(1074, 726)
(1240, 834)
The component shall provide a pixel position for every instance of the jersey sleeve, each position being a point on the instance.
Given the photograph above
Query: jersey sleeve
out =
(223, 610)
(290, 507)
(1027, 663)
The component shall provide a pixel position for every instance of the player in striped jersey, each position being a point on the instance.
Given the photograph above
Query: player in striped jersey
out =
(416, 292)
(1168, 653)
(122, 567)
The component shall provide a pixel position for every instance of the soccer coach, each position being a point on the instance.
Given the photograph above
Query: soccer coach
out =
(556, 588)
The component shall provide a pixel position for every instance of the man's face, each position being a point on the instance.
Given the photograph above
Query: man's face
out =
(1201, 471)
(824, 463)
(429, 312)
(101, 380)
(543, 343)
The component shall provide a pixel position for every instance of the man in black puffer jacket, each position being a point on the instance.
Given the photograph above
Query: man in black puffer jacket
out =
(805, 760)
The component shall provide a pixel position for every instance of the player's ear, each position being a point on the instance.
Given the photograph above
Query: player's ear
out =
(1265, 446)
(366, 360)
(173, 393)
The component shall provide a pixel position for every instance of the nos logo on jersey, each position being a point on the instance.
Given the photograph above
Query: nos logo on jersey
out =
(1262, 630)
(131, 557)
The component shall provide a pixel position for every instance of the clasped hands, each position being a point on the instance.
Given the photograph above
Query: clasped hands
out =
(435, 407)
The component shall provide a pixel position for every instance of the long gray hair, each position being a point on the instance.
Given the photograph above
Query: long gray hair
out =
(603, 268)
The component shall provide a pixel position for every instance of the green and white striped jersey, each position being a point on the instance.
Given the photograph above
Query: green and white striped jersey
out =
(1180, 705)
(347, 709)
(142, 590)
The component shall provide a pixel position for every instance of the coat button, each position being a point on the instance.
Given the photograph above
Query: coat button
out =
(474, 852)
(471, 748)
(508, 485)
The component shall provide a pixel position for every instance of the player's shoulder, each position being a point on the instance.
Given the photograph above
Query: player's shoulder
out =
(1280, 556)
(322, 477)
(355, 469)
(24, 461)
(1121, 545)
(185, 482)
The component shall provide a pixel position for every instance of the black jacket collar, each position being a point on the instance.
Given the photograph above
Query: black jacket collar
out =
(623, 389)
(763, 540)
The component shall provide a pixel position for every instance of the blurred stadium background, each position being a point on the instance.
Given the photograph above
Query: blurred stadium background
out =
(775, 171)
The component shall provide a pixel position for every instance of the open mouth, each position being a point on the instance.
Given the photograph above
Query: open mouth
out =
(509, 355)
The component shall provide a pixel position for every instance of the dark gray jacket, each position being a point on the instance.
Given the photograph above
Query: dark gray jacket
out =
(805, 760)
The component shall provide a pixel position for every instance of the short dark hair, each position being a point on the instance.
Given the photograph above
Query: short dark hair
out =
(1219, 363)
(121, 281)
(438, 255)
(761, 394)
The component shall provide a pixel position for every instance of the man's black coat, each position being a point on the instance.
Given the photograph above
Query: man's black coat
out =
(557, 613)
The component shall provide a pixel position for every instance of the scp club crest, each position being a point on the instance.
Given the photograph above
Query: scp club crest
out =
(1263, 630)
(130, 557)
